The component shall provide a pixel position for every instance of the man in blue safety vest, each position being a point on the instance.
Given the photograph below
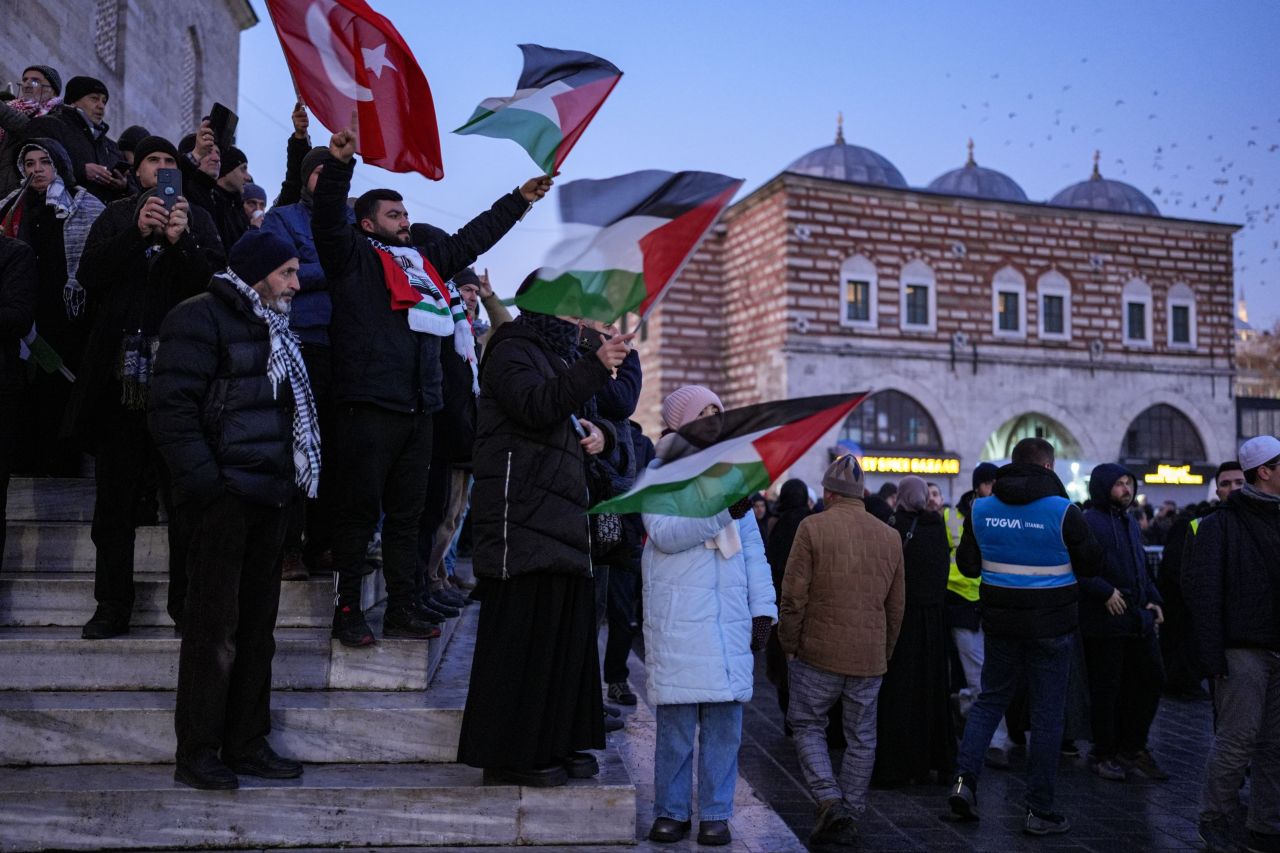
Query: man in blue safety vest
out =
(1027, 542)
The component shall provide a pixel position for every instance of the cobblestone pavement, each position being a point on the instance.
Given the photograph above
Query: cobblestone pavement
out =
(1105, 816)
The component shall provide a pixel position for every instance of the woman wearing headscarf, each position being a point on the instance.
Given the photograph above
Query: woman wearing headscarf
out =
(534, 702)
(52, 215)
(791, 508)
(709, 602)
(914, 729)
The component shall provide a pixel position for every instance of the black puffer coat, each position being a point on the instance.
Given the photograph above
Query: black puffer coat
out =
(529, 503)
(377, 358)
(212, 411)
(17, 309)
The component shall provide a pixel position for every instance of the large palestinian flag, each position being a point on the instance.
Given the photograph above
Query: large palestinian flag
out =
(556, 97)
(627, 238)
(714, 462)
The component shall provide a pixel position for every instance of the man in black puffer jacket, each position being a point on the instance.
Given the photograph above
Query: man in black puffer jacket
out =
(232, 415)
(1119, 611)
(386, 375)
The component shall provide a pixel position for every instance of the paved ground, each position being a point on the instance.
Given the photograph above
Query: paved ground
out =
(1106, 816)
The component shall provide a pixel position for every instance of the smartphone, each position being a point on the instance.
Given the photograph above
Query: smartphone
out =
(168, 186)
(577, 426)
(222, 121)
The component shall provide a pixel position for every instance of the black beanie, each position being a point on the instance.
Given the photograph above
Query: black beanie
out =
(466, 276)
(150, 145)
(232, 158)
(313, 158)
(258, 254)
(78, 87)
(984, 473)
(129, 140)
(54, 78)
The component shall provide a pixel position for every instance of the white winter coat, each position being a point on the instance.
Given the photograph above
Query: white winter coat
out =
(698, 608)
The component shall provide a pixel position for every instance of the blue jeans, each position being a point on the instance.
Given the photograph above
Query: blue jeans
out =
(719, 727)
(1045, 664)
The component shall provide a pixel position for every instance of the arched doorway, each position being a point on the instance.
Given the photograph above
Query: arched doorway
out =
(1162, 433)
(892, 421)
(1030, 425)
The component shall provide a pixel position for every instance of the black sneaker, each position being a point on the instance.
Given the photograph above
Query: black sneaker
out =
(350, 628)
(438, 604)
(963, 799)
(106, 622)
(612, 724)
(206, 772)
(429, 611)
(408, 624)
(450, 598)
(620, 692)
(1045, 823)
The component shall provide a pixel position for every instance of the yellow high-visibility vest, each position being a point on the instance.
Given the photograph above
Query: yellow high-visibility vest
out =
(966, 588)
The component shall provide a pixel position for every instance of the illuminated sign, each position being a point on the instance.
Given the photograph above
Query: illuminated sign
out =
(1173, 475)
(947, 466)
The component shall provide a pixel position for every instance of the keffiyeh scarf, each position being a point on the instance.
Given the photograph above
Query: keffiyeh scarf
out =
(285, 362)
(432, 304)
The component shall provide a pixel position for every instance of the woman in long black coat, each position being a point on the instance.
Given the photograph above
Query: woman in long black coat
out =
(791, 509)
(914, 733)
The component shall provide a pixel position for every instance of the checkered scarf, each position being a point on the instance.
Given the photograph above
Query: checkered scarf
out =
(285, 362)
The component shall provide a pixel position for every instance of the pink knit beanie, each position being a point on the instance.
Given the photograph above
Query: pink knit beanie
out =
(686, 403)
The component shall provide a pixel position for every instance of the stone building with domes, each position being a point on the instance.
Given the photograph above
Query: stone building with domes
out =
(978, 317)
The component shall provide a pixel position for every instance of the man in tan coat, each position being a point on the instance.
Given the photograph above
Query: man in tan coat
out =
(842, 601)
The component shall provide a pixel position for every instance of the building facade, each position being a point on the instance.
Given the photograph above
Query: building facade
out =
(976, 317)
(165, 62)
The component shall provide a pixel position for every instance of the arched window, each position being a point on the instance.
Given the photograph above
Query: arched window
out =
(858, 293)
(1054, 292)
(1182, 317)
(193, 77)
(891, 420)
(1137, 313)
(919, 300)
(1008, 304)
(1162, 434)
(106, 33)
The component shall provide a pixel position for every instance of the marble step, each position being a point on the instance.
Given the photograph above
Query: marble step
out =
(377, 805)
(147, 659)
(66, 546)
(51, 499)
(40, 598)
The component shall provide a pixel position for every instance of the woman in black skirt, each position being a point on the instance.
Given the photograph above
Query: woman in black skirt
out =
(534, 703)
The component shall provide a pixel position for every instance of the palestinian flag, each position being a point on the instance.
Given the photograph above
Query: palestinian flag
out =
(714, 462)
(627, 239)
(556, 97)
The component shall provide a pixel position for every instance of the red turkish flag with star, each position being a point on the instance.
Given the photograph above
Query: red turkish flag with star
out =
(346, 57)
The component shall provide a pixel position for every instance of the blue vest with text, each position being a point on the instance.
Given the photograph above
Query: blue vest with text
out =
(1021, 544)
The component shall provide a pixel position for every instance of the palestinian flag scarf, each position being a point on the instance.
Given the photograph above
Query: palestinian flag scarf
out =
(432, 305)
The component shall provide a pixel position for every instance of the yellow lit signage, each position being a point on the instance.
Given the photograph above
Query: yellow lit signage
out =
(947, 466)
(1173, 475)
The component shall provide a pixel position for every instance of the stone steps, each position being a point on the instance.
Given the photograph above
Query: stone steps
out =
(50, 599)
(147, 659)
(140, 807)
(51, 499)
(66, 546)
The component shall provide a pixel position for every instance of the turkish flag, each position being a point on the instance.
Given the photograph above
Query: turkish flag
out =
(344, 56)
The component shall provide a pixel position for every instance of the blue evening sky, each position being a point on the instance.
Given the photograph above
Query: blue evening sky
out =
(1180, 97)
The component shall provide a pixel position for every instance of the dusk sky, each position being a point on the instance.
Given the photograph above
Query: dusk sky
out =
(1180, 97)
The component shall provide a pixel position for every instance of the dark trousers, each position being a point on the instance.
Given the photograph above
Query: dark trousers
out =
(1045, 665)
(620, 608)
(127, 462)
(312, 516)
(380, 461)
(10, 424)
(1126, 676)
(224, 668)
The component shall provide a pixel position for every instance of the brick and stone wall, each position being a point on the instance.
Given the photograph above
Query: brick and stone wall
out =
(164, 62)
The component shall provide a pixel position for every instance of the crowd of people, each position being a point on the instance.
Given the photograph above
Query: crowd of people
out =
(304, 388)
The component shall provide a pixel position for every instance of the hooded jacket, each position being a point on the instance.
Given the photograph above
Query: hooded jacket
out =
(1030, 613)
(214, 415)
(1124, 564)
(377, 358)
(529, 503)
(1232, 580)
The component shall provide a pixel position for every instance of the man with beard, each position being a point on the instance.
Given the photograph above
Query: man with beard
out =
(232, 414)
(386, 373)
(52, 215)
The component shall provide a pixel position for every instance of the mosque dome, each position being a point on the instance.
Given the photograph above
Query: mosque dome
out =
(1099, 193)
(978, 182)
(846, 162)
